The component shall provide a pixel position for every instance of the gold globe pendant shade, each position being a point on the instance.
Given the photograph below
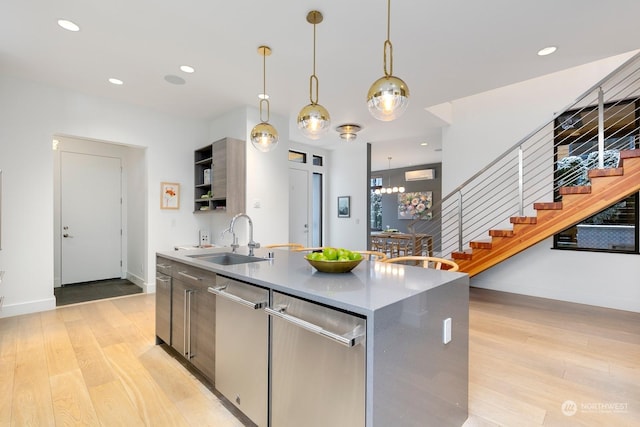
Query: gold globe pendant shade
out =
(263, 135)
(314, 120)
(388, 96)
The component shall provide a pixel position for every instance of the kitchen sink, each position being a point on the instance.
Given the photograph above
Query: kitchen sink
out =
(227, 258)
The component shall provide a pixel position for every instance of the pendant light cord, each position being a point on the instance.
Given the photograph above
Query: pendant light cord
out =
(387, 44)
(314, 79)
(264, 85)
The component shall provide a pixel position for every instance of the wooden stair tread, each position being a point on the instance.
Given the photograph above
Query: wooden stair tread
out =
(480, 245)
(605, 172)
(629, 154)
(583, 189)
(547, 206)
(456, 256)
(501, 233)
(523, 220)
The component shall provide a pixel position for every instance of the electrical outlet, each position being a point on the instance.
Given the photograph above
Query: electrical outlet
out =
(446, 331)
(204, 238)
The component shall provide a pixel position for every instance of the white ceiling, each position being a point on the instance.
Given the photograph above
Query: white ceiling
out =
(444, 50)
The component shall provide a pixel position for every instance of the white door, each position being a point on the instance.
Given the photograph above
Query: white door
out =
(299, 206)
(90, 215)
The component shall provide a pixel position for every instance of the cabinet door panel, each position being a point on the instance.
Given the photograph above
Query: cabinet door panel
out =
(203, 315)
(163, 307)
(178, 326)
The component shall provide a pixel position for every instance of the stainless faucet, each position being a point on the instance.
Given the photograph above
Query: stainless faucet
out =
(234, 244)
(252, 245)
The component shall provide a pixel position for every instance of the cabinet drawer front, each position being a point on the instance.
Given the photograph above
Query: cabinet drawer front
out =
(164, 265)
(194, 276)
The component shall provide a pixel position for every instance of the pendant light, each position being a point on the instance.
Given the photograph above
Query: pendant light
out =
(388, 96)
(263, 135)
(314, 119)
(389, 189)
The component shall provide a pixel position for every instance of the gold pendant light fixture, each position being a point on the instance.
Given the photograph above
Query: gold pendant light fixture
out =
(314, 119)
(388, 96)
(263, 135)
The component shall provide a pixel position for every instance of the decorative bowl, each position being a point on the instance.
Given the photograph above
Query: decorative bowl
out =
(333, 266)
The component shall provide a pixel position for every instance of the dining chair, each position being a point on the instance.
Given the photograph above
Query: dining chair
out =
(427, 262)
(379, 244)
(291, 246)
(373, 255)
(401, 246)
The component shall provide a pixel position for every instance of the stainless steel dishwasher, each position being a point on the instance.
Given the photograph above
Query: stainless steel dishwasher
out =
(318, 365)
(242, 346)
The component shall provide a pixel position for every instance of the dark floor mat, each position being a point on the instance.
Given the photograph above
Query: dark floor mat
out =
(90, 291)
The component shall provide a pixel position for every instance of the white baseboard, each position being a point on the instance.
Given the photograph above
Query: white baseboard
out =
(146, 287)
(10, 310)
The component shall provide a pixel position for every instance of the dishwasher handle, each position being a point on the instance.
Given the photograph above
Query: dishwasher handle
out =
(220, 291)
(351, 340)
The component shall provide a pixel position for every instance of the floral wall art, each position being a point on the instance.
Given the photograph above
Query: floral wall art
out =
(415, 205)
(169, 195)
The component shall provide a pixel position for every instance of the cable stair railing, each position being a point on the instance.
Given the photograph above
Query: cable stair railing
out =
(552, 164)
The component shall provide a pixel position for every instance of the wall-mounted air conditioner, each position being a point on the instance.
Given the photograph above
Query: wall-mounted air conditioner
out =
(419, 175)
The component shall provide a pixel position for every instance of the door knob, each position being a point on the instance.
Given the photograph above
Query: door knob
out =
(66, 235)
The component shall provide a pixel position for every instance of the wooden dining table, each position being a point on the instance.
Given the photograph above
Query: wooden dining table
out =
(417, 244)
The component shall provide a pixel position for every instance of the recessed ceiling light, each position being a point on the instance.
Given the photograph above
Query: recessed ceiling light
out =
(547, 50)
(116, 81)
(263, 96)
(68, 25)
(424, 144)
(187, 68)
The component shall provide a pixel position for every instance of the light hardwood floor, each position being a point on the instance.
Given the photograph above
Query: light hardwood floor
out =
(97, 364)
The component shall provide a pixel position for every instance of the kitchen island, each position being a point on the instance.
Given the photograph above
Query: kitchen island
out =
(401, 361)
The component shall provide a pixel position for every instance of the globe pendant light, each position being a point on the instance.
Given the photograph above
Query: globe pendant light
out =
(314, 119)
(263, 135)
(388, 96)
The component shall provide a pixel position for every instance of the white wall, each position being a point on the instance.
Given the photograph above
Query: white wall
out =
(483, 127)
(347, 177)
(31, 113)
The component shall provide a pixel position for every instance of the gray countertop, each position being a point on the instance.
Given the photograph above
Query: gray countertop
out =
(367, 288)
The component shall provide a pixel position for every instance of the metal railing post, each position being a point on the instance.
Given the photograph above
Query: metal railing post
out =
(600, 128)
(460, 221)
(520, 182)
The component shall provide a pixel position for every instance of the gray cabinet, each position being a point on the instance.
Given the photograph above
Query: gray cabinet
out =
(163, 300)
(220, 176)
(193, 317)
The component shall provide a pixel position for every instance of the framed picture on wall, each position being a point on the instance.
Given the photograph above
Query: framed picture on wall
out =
(344, 206)
(415, 205)
(169, 195)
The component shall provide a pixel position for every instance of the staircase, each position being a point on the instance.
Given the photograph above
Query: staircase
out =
(508, 198)
(608, 186)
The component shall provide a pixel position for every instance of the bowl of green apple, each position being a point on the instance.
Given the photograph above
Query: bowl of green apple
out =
(334, 260)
